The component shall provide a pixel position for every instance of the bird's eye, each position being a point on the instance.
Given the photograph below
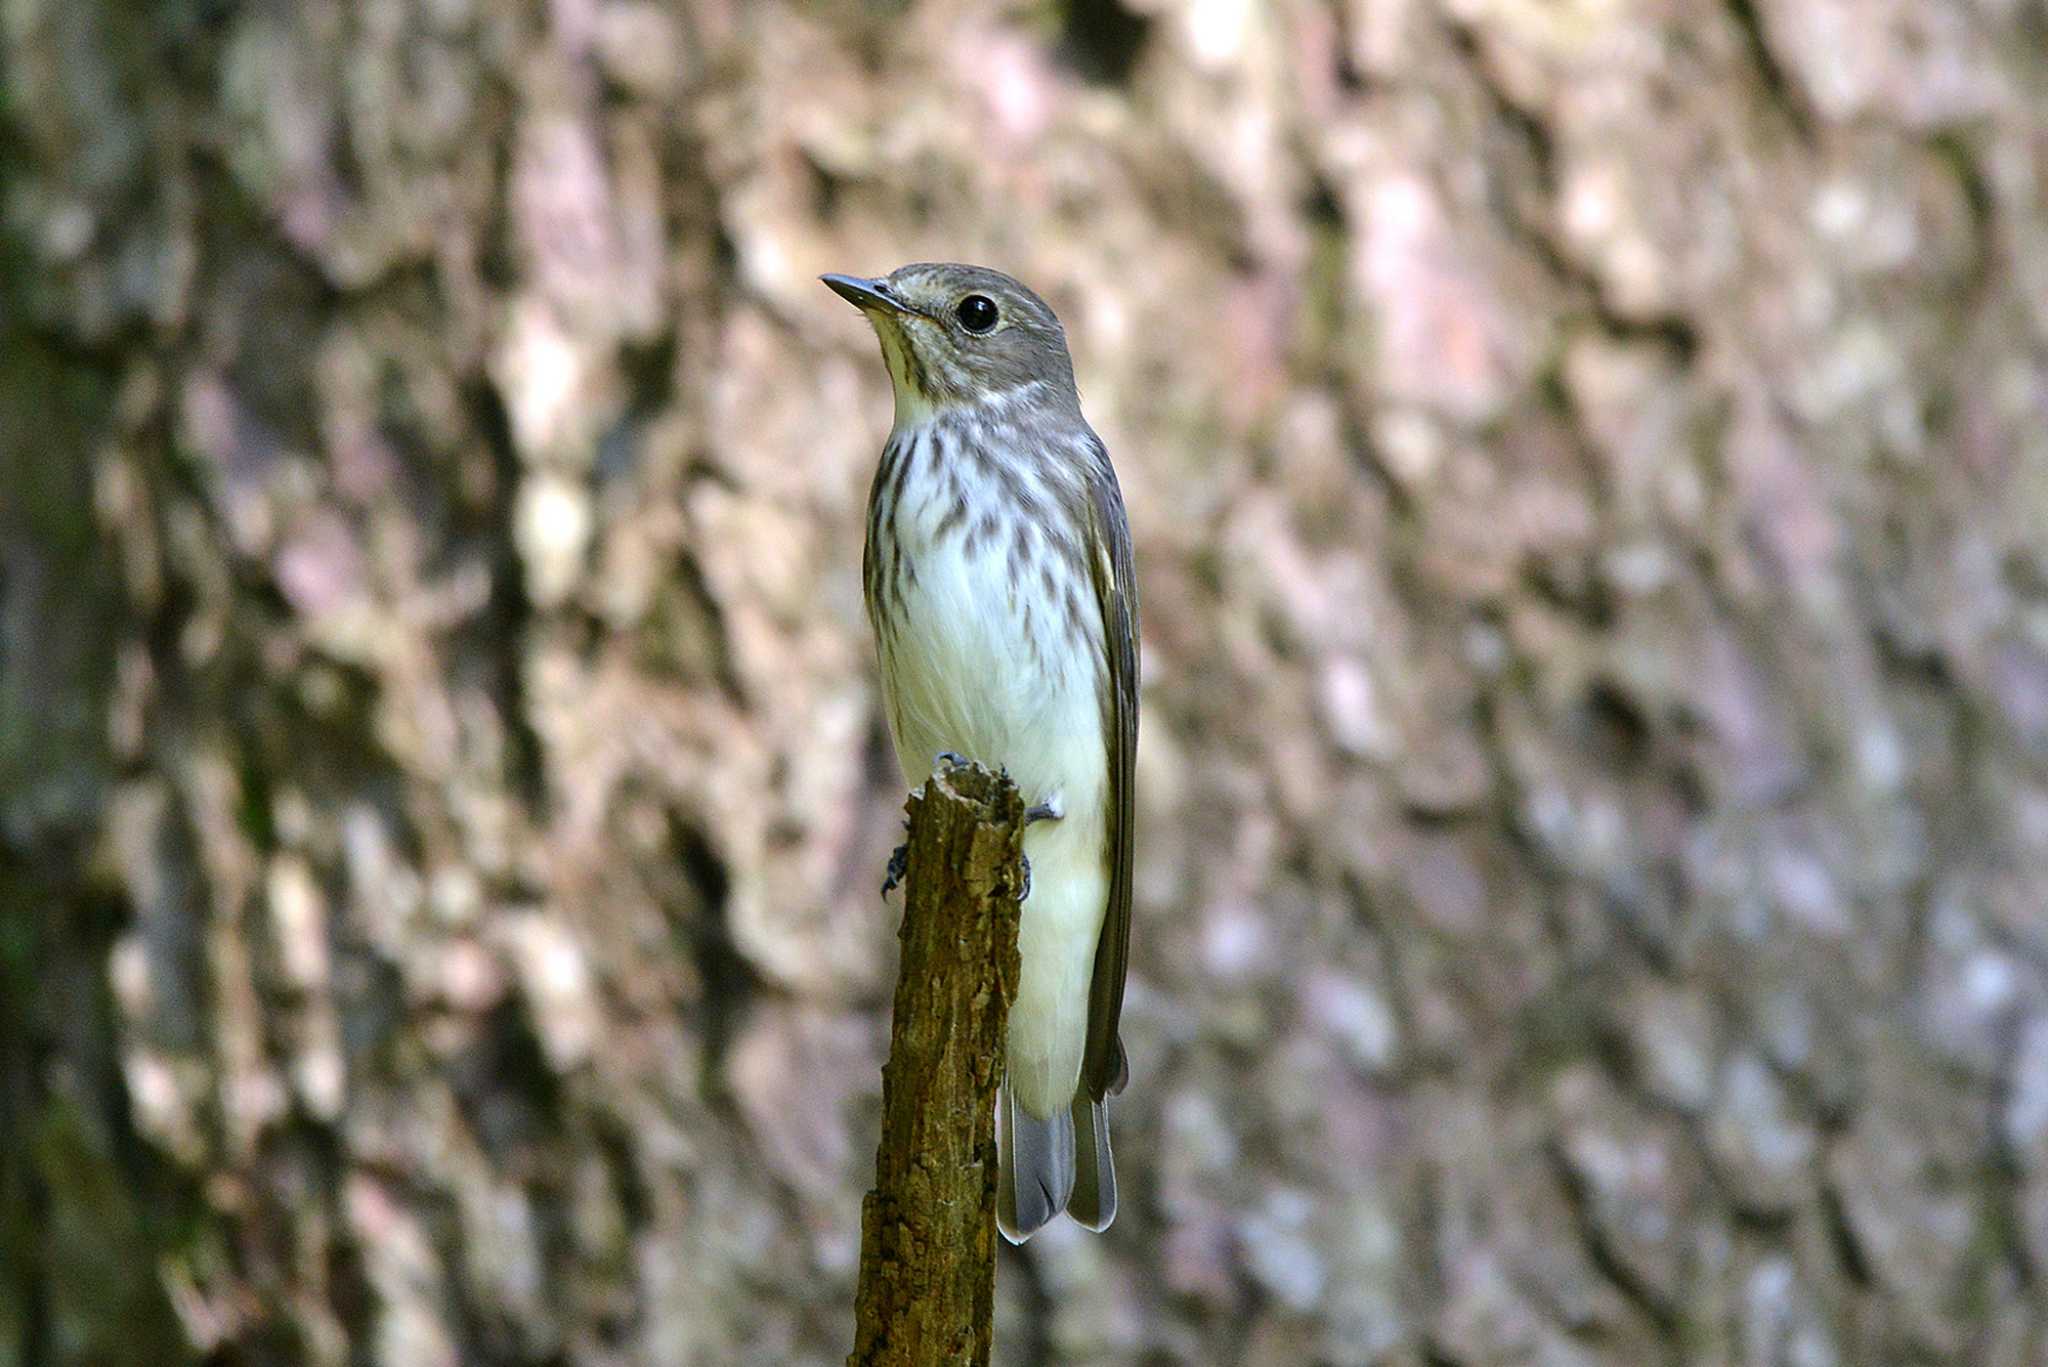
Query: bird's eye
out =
(977, 313)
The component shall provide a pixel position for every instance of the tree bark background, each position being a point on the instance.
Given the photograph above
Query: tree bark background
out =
(1589, 470)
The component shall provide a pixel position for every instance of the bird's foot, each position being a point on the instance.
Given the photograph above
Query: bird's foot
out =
(949, 758)
(1049, 810)
(899, 864)
(1025, 861)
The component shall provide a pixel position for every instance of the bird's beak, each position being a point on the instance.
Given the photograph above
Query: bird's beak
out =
(866, 295)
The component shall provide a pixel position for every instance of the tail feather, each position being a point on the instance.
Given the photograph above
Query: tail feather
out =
(1093, 1204)
(1036, 1167)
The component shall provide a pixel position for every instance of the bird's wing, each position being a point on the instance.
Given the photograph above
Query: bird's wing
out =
(1103, 1069)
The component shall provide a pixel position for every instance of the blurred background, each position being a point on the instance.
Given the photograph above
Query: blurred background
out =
(1588, 461)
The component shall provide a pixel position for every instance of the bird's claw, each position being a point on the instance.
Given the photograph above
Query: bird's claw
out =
(1042, 811)
(1024, 861)
(949, 758)
(899, 864)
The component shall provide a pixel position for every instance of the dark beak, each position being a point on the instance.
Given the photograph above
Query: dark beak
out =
(865, 294)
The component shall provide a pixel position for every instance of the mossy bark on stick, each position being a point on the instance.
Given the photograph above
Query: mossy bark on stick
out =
(928, 1228)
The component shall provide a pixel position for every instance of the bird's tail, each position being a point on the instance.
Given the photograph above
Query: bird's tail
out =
(1093, 1204)
(1043, 1170)
(1036, 1173)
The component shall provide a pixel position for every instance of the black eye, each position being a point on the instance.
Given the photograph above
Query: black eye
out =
(977, 313)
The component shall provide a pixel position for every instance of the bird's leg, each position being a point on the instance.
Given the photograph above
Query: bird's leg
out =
(899, 864)
(1048, 810)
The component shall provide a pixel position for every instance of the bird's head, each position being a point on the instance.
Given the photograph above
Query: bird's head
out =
(962, 336)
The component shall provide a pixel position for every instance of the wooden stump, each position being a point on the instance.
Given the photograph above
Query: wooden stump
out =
(928, 1229)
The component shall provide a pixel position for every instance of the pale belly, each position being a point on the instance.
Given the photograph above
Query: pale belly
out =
(974, 668)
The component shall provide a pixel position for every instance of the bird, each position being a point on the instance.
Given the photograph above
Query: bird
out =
(1000, 585)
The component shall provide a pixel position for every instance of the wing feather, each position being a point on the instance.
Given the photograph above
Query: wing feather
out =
(1103, 1069)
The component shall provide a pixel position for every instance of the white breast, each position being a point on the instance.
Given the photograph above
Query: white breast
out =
(980, 658)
